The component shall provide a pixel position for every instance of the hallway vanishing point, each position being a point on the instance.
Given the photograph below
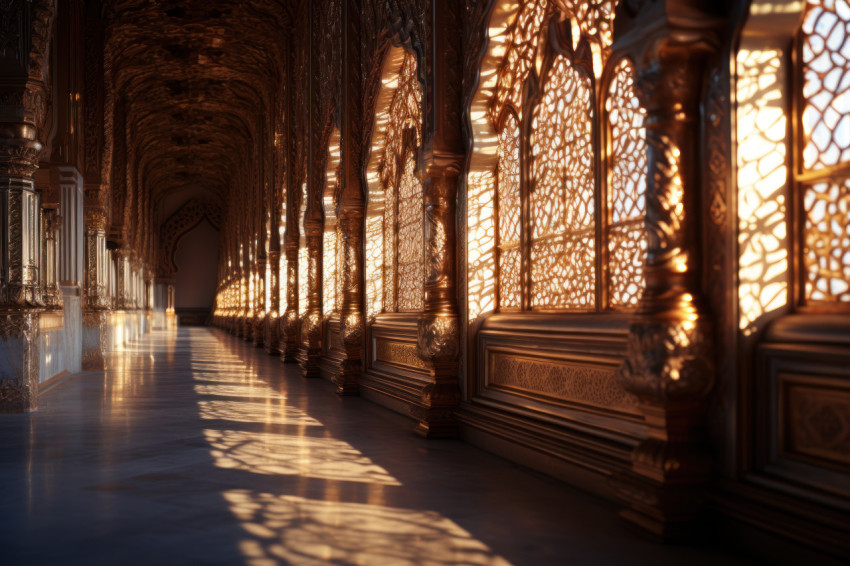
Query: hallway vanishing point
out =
(194, 448)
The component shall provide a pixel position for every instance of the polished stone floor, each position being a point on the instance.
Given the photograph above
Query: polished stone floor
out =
(195, 448)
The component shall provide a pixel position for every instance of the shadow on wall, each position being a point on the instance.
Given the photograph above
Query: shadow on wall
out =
(196, 257)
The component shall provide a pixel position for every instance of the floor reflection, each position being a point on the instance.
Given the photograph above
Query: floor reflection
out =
(299, 530)
(196, 448)
(305, 531)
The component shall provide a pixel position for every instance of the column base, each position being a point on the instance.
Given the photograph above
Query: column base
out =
(271, 337)
(19, 365)
(666, 513)
(95, 340)
(308, 359)
(347, 378)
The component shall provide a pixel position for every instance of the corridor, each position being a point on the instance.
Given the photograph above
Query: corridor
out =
(194, 448)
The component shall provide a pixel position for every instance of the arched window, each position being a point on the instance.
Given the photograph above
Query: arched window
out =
(566, 207)
(394, 225)
(823, 169)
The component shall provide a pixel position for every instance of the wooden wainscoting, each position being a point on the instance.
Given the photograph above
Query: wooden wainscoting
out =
(395, 376)
(794, 480)
(332, 352)
(544, 390)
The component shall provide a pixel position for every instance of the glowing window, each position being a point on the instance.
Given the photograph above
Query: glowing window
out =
(331, 247)
(568, 207)
(403, 275)
(824, 172)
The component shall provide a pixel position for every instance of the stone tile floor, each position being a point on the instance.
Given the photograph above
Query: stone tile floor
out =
(195, 448)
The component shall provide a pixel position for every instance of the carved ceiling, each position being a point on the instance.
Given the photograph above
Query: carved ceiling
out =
(197, 80)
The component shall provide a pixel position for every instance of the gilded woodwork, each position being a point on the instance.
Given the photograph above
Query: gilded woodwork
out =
(573, 190)
(24, 91)
(669, 366)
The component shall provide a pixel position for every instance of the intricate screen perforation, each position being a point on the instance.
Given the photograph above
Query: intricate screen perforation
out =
(404, 275)
(562, 210)
(546, 189)
(626, 231)
(825, 151)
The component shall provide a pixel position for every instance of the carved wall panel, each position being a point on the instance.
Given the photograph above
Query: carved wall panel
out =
(804, 413)
(578, 381)
(816, 425)
(392, 352)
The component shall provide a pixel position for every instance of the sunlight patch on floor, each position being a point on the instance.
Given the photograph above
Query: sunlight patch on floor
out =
(305, 531)
(266, 413)
(260, 391)
(272, 454)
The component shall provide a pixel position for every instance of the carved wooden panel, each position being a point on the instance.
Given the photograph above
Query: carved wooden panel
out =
(803, 406)
(397, 353)
(557, 360)
(578, 381)
(817, 419)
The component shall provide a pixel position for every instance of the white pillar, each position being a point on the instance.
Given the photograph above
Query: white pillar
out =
(71, 239)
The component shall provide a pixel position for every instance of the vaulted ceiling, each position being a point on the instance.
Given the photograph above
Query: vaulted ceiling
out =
(198, 83)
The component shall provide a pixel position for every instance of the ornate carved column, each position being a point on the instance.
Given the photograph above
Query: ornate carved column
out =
(351, 320)
(439, 324)
(260, 298)
(23, 107)
(20, 296)
(47, 184)
(352, 207)
(311, 319)
(122, 278)
(272, 326)
(670, 352)
(96, 298)
(289, 320)
(272, 323)
(72, 246)
(52, 294)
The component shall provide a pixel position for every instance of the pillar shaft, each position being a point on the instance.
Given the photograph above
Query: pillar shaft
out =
(670, 352)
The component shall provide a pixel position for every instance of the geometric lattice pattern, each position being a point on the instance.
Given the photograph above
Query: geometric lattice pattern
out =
(827, 241)
(331, 248)
(547, 224)
(594, 18)
(330, 274)
(403, 223)
(509, 215)
(519, 58)
(561, 196)
(626, 208)
(410, 238)
(825, 129)
(826, 84)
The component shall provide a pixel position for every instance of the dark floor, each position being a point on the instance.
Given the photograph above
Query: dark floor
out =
(194, 448)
